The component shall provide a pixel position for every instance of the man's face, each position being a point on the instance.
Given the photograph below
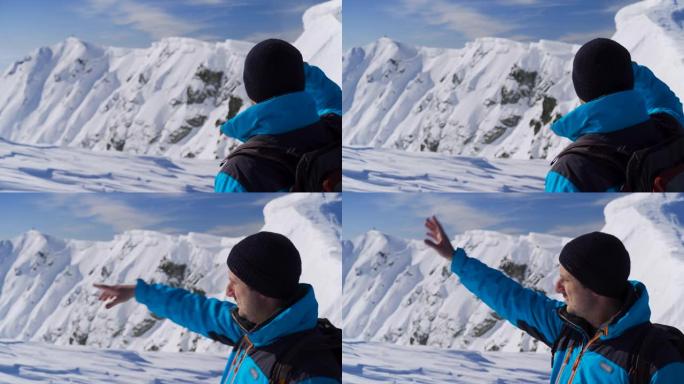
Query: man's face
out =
(247, 299)
(580, 300)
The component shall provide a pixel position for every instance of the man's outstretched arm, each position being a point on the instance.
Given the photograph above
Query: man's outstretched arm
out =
(207, 316)
(528, 310)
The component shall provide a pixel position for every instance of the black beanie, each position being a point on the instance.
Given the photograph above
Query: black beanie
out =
(601, 67)
(273, 68)
(268, 263)
(599, 261)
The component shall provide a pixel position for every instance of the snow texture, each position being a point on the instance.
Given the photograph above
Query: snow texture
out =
(389, 170)
(31, 362)
(43, 168)
(47, 292)
(166, 101)
(398, 291)
(368, 362)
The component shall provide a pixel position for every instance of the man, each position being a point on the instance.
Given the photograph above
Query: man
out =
(624, 108)
(274, 328)
(298, 110)
(603, 319)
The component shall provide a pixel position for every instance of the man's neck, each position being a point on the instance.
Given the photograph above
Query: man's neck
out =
(604, 313)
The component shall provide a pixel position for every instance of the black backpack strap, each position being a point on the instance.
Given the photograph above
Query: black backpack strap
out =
(652, 341)
(638, 364)
(592, 147)
(324, 337)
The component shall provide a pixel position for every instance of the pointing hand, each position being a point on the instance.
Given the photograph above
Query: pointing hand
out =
(115, 294)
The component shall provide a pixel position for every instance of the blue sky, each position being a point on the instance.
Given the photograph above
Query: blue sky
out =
(403, 214)
(452, 23)
(29, 24)
(101, 216)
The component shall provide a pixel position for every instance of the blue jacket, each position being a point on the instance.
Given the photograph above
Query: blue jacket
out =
(620, 119)
(280, 116)
(253, 352)
(582, 355)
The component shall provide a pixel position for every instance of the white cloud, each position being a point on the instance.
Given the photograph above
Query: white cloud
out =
(455, 214)
(289, 35)
(107, 210)
(146, 18)
(455, 17)
(583, 37)
(574, 230)
(236, 230)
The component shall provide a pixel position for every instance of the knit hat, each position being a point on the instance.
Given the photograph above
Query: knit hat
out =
(273, 68)
(599, 261)
(601, 67)
(268, 263)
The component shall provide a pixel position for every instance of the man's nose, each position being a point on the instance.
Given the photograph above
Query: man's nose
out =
(559, 287)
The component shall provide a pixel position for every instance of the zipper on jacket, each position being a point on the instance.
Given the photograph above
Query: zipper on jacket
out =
(602, 331)
(568, 353)
(239, 358)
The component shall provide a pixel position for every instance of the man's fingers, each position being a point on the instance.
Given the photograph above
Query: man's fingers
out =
(114, 302)
(431, 244)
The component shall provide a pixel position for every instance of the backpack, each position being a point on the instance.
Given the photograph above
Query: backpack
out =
(650, 341)
(324, 337)
(658, 168)
(317, 170)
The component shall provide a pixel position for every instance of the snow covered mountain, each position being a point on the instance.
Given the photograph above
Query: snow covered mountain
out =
(47, 292)
(399, 291)
(494, 97)
(168, 99)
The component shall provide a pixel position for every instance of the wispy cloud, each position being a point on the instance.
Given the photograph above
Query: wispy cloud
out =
(455, 17)
(230, 3)
(575, 230)
(150, 19)
(583, 37)
(108, 210)
(236, 230)
(459, 216)
(289, 35)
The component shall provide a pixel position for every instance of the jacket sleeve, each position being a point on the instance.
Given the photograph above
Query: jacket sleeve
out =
(657, 95)
(223, 182)
(206, 316)
(555, 182)
(531, 311)
(326, 93)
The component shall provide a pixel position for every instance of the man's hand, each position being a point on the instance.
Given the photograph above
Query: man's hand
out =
(119, 293)
(437, 238)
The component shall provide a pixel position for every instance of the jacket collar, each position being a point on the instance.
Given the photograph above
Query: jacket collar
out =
(301, 315)
(274, 116)
(606, 114)
(634, 312)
